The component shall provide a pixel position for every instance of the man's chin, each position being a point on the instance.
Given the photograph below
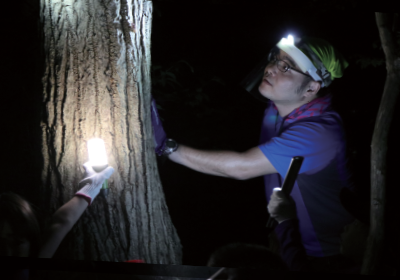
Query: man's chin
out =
(263, 93)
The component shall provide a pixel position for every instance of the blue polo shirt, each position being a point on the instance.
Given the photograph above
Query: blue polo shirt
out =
(321, 141)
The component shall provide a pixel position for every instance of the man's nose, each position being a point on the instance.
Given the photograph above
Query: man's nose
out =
(270, 69)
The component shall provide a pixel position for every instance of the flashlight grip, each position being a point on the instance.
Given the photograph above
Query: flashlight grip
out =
(288, 183)
(104, 189)
(291, 175)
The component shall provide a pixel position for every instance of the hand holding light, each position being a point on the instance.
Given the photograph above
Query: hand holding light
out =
(281, 207)
(92, 181)
(97, 171)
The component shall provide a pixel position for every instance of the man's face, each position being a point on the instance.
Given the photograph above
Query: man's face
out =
(281, 86)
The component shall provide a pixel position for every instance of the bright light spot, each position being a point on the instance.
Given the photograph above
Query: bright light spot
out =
(288, 41)
(276, 189)
(97, 152)
(291, 40)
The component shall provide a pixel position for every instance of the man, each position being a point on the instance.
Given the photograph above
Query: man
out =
(298, 121)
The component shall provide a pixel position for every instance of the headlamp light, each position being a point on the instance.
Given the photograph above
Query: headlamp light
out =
(287, 45)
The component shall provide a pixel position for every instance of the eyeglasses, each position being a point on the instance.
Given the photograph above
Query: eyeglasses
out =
(283, 66)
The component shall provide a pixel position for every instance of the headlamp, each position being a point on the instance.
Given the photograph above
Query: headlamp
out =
(288, 45)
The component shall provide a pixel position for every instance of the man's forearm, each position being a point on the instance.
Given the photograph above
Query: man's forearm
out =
(219, 163)
(71, 211)
(62, 222)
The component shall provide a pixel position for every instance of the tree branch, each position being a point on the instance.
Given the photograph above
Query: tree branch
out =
(375, 244)
(387, 40)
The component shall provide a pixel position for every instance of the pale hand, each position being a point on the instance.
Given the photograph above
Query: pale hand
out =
(280, 207)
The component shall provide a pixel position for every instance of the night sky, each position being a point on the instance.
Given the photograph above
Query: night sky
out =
(221, 43)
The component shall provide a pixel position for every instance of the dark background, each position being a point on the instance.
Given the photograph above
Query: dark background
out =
(200, 53)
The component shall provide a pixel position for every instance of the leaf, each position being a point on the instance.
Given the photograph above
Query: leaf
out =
(187, 64)
(172, 75)
(364, 62)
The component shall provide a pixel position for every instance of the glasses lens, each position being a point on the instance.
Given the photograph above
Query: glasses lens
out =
(283, 66)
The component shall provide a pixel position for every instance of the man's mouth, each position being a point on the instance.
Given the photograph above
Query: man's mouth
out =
(265, 80)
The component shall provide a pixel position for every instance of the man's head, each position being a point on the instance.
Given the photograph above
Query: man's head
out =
(299, 68)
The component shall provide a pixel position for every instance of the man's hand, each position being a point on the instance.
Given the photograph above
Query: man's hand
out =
(281, 207)
(159, 134)
(92, 181)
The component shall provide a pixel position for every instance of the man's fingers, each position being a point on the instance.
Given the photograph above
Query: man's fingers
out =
(106, 173)
(280, 194)
(277, 199)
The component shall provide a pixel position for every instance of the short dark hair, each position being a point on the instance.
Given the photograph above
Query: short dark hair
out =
(22, 218)
(244, 255)
(323, 91)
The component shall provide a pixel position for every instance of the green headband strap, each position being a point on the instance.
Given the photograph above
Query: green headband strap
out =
(329, 62)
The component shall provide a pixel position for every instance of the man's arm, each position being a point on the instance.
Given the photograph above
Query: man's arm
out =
(240, 166)
(62, 222)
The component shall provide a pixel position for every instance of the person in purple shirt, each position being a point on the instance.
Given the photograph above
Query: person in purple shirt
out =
(298, 121)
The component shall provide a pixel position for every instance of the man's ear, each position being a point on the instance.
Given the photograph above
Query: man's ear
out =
(313, 88)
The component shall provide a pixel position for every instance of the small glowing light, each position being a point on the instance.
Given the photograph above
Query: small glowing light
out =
(288, 41)
(276, 189)
(97, 152)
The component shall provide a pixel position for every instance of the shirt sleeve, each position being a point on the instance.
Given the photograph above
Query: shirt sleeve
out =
(317, 142)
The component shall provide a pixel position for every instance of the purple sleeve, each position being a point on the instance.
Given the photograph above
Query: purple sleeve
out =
(317, 142)
(159, 134)
(292, 250)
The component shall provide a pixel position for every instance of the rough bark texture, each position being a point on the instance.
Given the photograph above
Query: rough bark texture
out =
(375, 243)
(96, 83)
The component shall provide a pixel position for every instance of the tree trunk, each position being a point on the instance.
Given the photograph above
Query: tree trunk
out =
(375, 243)
(96, 83)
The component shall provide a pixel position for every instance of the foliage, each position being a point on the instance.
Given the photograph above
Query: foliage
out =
(186, 96)
(179, 84)
(379, 59)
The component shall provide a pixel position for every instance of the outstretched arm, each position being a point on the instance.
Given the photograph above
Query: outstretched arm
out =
(67, 215)
(240, 166)
(62, 222)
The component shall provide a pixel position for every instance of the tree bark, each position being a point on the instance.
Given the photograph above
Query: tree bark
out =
(375, 244)
(96, 83)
